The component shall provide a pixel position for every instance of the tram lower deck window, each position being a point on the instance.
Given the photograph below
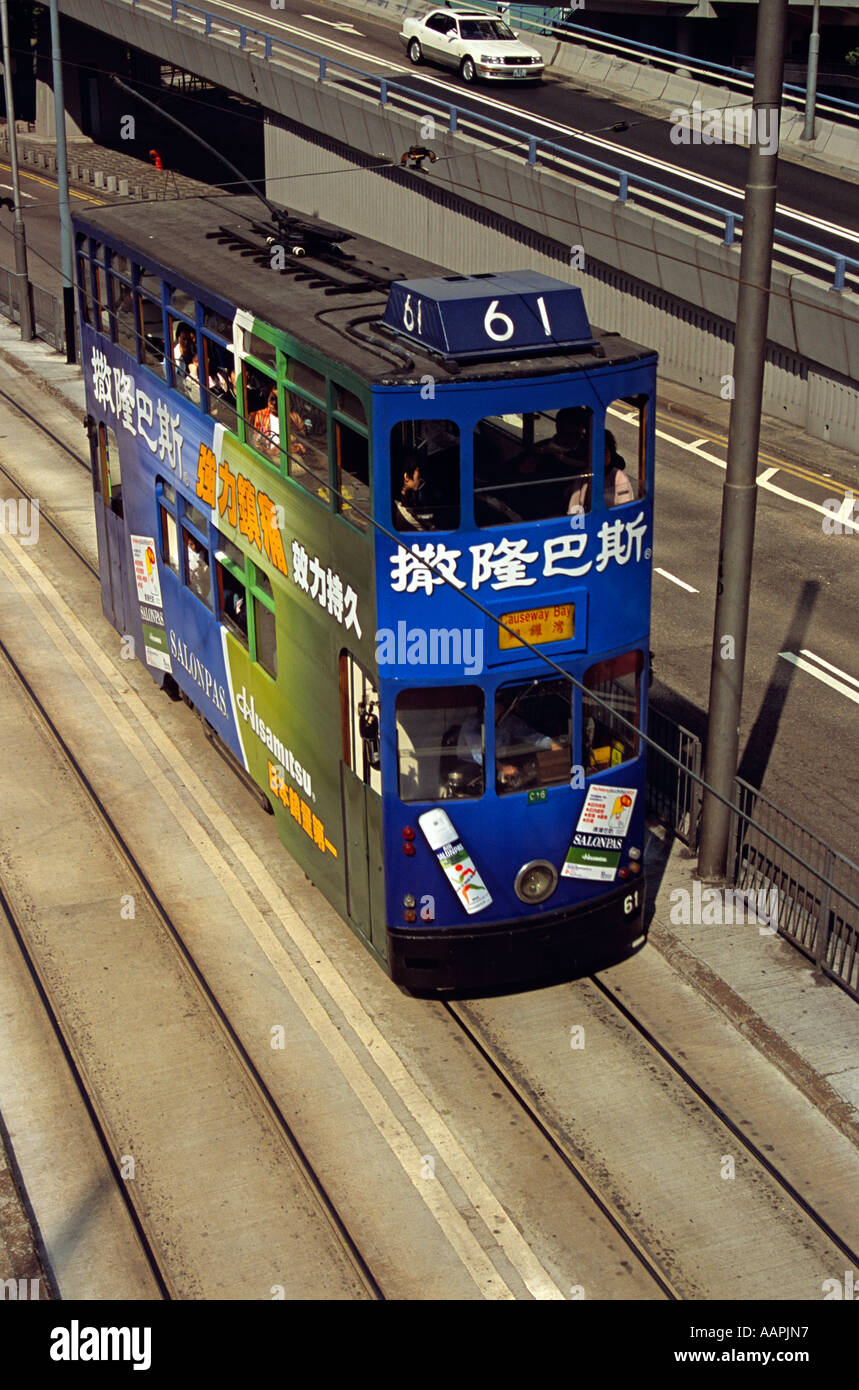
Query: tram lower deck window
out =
(440, 743)
(606, 742)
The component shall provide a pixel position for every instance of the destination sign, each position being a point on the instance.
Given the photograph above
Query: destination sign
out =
(554, 624)
(504, 315)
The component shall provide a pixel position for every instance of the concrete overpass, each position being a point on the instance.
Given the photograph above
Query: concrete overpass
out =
(658, 281)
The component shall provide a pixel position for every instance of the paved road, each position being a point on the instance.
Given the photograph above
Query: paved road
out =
(41, 221)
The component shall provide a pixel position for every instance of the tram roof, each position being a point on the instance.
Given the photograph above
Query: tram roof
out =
(172, 235)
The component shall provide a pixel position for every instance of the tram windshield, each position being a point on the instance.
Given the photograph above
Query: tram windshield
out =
(440, 743)
(441, 739)
(532, 466)
(533, 727)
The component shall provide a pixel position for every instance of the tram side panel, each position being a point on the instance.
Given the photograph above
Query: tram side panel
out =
(197, 480)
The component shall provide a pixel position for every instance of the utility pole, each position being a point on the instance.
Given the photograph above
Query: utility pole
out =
(66, 235)
(739, 498)
(811, 75)
(22, 280)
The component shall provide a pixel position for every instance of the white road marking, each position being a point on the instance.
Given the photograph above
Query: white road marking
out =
(24, 193)
(763, 480)
(334, 24)
(828, 664)
(605, 146)
(822, 676)
(140, 731)
(675, 580)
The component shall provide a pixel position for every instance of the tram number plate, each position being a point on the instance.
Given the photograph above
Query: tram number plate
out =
(555, 624)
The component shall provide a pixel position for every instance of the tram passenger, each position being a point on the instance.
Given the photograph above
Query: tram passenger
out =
(515, 743)
(542, 474)
(183, 349)
(618, 486)
(266, 422)
(416, 507)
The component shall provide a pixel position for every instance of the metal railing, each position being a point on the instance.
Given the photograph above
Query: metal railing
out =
(673, 795)
(734, 79)
(817, 912)
(831, 267)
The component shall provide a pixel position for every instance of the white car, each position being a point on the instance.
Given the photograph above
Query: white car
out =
(477, 43)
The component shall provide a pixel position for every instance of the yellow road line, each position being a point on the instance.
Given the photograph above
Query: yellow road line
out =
(49, 183)
(829, 484)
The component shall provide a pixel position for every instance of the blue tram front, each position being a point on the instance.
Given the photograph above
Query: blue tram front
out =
(515, 524)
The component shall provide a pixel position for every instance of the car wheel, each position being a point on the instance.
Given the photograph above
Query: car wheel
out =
(467, 70)
(415, 52)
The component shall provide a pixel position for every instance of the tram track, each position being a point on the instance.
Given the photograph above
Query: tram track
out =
(77, 1065)
(527, 1102)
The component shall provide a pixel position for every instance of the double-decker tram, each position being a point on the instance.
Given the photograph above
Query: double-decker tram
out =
(389, 529)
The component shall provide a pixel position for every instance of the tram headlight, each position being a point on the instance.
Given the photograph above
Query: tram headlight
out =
(537, 881)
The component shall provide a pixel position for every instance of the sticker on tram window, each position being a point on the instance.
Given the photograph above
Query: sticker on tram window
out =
(555, 624)
(598, 838)
(146, 570)
(459, 869)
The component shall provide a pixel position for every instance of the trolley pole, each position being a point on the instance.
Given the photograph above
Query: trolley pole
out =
(811, 75)
(739, 498)
(66, 239)
(22, 280)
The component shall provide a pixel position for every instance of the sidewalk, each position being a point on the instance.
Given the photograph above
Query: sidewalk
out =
(95, 167)
(804, 1025)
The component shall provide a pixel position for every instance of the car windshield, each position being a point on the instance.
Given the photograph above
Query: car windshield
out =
(484, 29)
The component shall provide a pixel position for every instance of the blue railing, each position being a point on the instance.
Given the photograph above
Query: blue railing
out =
(734, 78)
(456, 118)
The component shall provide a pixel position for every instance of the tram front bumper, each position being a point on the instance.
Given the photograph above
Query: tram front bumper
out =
(495, 955)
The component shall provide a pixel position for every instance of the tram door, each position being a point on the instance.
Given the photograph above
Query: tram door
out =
(110, 525)
(361, 787)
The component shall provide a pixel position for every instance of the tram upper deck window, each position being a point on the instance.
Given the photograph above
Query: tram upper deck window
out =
(261, 413)
(533, 735)
(307, 444)
(352, 455)
(218, 372)
(532, 466)
(425, 475)
(625, 450)
(123, 312)
(185, 362)
(606, 742)
(263, 351)
(150, 323)
(99, 281)
(440, 743)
